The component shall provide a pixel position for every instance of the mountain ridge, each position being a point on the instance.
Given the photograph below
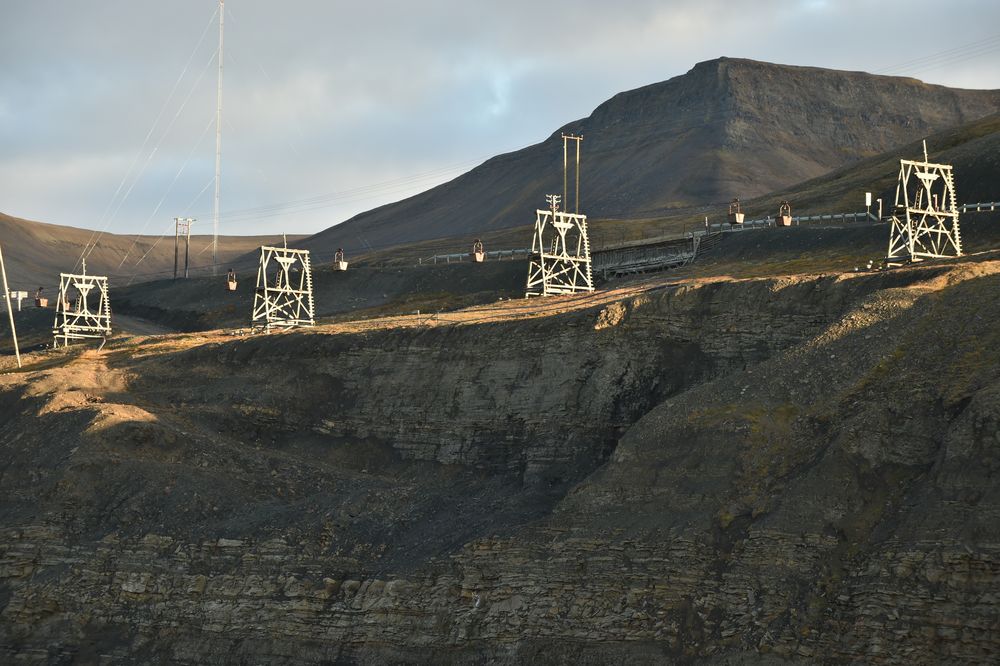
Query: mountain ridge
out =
(728, 127)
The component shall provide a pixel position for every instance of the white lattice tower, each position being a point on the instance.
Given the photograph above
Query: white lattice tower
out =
(284, 293)
(560, 254)
(74, 318)
(924, 224)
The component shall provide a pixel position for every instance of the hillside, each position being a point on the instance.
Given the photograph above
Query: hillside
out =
(36, 252)
(973, 149)
(726, 128)
(392, 281)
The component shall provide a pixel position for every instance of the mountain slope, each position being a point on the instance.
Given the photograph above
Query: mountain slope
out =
(973, 149)
(727, 128)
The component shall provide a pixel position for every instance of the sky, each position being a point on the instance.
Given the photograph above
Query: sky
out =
(331, 108)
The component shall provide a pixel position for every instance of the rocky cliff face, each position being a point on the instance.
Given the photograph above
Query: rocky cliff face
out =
(774, 469)
(727, 128)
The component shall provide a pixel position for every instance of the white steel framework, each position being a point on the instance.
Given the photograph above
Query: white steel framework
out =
(284, 294)
(88, 315)
(560, 254)
(925, 220)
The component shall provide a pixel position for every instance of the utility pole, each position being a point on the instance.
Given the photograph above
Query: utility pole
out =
(566, 139)
(10, 311)
(218, 146)
(565, 167)
(187, 247)
(576, 210)
(182, 225)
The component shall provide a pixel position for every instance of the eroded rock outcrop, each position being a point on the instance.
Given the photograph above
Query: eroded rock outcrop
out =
(763, 470)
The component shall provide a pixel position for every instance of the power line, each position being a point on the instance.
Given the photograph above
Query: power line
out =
(187, 209)
(149, 134)
(152, 153)
(402, 183)
(374, 188)
(167, 192)
(990, 42)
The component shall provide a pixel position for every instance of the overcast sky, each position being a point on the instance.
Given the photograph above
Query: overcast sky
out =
(107, 107)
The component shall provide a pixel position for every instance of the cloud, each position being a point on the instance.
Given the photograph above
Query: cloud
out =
(352, 105)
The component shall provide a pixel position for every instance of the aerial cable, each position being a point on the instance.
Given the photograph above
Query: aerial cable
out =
(313, 207)
(394, 185)
(954, 60)
(302, 208)
(270, 80)
(155, 243)
(145, 141)
(167, 192)
(904, 66)
(211, 181)
(152, 153)
(149, 158)
(376, 188)
(958, 50)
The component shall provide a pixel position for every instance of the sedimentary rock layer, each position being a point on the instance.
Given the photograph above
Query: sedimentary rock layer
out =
(773, 469)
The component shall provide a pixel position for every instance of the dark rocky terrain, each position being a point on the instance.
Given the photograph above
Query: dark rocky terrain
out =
(203, 303)
(703, 471)
(727, 128)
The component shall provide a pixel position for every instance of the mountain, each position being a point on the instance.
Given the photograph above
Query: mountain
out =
(35, 253)
(727, 128)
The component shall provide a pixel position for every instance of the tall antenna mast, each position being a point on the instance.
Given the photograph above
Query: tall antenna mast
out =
(218, 147)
